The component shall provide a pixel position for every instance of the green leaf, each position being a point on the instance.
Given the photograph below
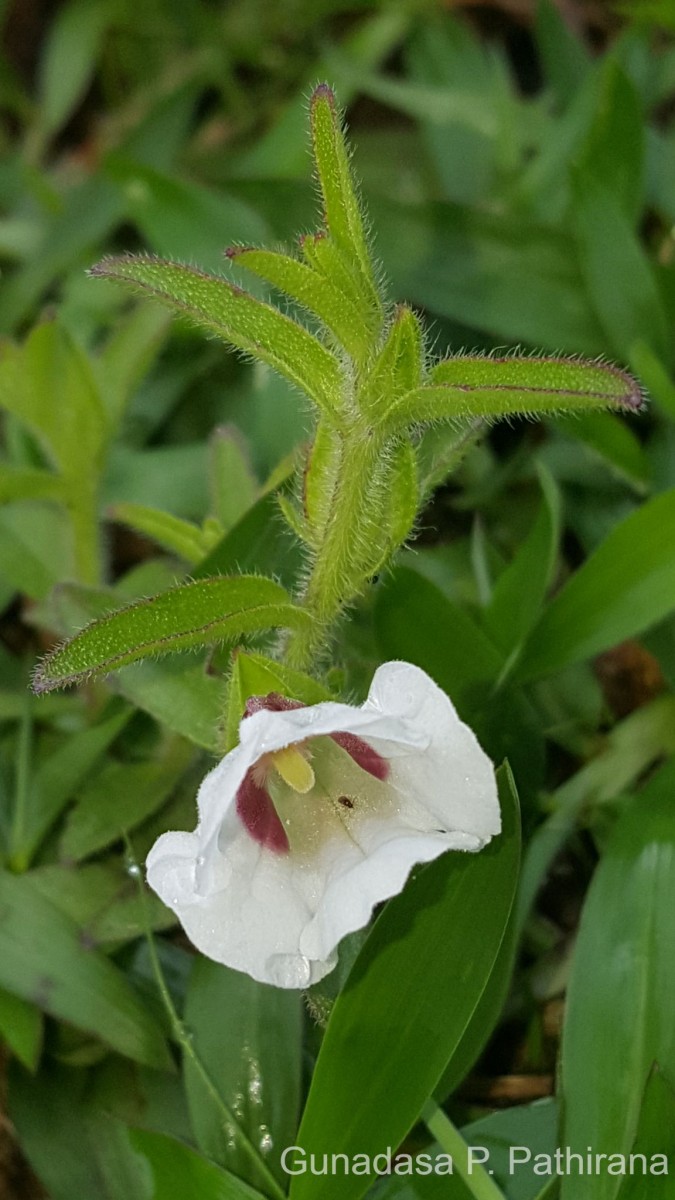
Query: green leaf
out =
(627, 585)
(23, 569)
(655, 1136)
(127, 355)
(249, 1035)
(54, 781)
(237, 318)
(181, 219)
(564, 56)
(70, 58)
(407, 1003)
(182, 538)
(409, 612)
(255, 675)
(497, 272)
(21, 1027)
(315, 292)
(103, 901)
(179, 1172)
(530, 1127)
(180, 696)
(281, 153)
(75, 1148)
(186, 617)
(616, 1023)
(321, 465)
(119, 798)
(341, 207)
(258, 542)
(48, 384)
(233, 485)
(28, 483)
(613, 151)
(404, 495)
(43, 959)
(619, 277)
(628, 751)
(398, 366)
(485, 1015)
(442, 448)
(610, 437)
(467, 387)
(520, 590)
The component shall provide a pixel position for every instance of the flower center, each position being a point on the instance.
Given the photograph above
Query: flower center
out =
(295, 797)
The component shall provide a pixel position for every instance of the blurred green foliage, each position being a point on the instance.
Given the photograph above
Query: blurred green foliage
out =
(519, 176)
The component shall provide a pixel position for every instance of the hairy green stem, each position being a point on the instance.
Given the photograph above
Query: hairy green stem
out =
(343, 558)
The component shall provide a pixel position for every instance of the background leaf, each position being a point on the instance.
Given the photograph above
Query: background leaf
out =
(622, 589)
(407, 1003)
(616, 1025)
(43, 960)
(249, 1035)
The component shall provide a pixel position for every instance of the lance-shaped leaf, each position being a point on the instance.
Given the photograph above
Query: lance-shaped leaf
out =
(341, 207)
(324, 256)
(315, 292)
(237, 318)
(184, 618)
(478, 386)
(177, 536)
(397, 370)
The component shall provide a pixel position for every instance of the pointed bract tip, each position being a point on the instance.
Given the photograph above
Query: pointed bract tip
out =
(39, 684)
(109, 265)
(235, 251)
(319, 236)
(323, 92)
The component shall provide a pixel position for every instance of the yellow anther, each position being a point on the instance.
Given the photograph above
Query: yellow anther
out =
(294, 768)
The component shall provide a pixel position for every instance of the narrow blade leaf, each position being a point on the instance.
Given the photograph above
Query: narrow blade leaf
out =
(44, 960)
(468, 386)
(626, 586)
(407, 1004)
(237, 318)
(186, 617)
(616, 1023)
(314, 291)
(343, 216)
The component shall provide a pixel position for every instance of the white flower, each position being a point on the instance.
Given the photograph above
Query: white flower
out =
(317, 815)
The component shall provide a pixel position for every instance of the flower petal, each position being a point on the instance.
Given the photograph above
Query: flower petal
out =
(454, 779)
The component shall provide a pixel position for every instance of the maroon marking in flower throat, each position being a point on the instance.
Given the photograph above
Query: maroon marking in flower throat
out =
(364, 756)
(259, 816)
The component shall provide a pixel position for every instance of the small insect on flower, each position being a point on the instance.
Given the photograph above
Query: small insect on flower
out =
(316, 816)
